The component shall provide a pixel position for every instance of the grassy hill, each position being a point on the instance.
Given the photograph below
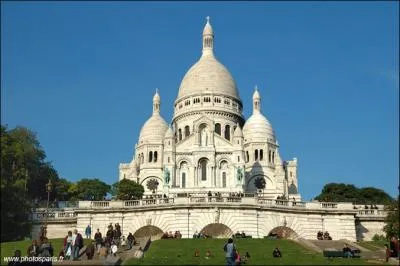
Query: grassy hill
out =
(181, 252)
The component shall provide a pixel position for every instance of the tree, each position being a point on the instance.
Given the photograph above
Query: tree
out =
(91, 189)
(259, 182)
(24, 173)
(334, 192)
(391, 227)
(127, 189)
(152, 185)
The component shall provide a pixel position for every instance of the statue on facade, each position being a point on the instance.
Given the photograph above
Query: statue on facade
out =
(166, 175)
(203, 137)
(239, 174)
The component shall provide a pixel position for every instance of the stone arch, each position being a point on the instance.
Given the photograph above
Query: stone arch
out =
(283, 232)
(151, 231)
(217, 230)
(182, 159)
(292, 189)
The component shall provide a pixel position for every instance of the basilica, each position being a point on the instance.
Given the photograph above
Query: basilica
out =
(209, 145)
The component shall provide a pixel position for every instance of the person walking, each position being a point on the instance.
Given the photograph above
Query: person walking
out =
(230, 252)
(88, 231)
(98, 239)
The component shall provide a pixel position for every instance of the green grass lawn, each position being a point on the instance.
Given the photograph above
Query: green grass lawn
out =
(181, 252)
(8, 248)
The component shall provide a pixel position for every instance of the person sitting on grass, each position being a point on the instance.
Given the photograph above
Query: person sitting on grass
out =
(208, 254)
(90, 250)
(347, 252)
(197, 253)
(246, 257)
(277, 253)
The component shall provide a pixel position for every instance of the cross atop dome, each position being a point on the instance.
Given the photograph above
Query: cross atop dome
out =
(208, 19)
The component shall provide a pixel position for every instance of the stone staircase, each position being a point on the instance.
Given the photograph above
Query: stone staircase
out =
(121, 255)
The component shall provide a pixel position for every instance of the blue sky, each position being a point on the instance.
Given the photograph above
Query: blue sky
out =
(82, 75)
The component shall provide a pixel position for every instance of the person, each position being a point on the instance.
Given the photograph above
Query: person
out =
(68, 245)
(99, 239)
(387, 253)
(131, 240)
(246, 258)
(238, 259)
(230, 252)
(197, 253)
(123, 242)
(17, 254)
(90, 250)
(114, 248)
(347, 252)
(33, 249)
(394, 246)
(77, 244)
(277, 253)
(88, 231)
(209, 196)
(45, 250)
(208, 254)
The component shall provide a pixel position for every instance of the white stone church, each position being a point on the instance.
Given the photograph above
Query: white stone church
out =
(209, 145)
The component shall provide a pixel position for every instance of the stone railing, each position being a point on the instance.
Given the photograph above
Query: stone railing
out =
(69, 213)
(371, 212)
(40, 215)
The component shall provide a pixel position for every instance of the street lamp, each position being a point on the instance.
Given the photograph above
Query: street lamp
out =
(49, 187)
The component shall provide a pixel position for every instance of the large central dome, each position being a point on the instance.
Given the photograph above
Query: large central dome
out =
(208, 75)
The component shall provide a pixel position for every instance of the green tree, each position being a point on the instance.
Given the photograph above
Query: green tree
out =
(92, 189)
(391, 227)
(259, 182)
(334, 192)
(152, 184)
(127, 189)
(24, 173)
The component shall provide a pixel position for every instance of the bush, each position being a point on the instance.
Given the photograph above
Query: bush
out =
(377, 237)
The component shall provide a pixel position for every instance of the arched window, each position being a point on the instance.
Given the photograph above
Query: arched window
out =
(238, 159)
(180, 134)
(261, 155)
(155, 156)
(269, 156)
(223, 179)
(183, 180)
(150, 156)
(187, 131)
(218, 128)
(256, 155)
(168, 159)
(142, 157)
(203, 167)
(228, 132)
(273, 157)
(247, 156)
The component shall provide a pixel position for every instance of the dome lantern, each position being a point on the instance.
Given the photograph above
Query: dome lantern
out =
(256, 100)
(208, 38)
(156, 103)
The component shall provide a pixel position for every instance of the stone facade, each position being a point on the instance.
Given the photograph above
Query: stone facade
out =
(209, 146)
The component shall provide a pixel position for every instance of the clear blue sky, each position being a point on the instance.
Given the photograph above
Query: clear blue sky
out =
(82, 75)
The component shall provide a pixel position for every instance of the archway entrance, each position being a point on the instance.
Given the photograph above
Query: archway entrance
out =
(149, 231)
(283, 232)
(217, 230)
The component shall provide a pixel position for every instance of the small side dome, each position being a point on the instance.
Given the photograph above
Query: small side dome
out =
(169, 134)
(258, 129)
(238, 132)
(153, 130)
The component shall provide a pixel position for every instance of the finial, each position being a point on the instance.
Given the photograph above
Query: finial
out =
(208, 19)
(156, 90)
(256, 88)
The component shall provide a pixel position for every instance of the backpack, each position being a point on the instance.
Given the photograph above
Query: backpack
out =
(79, 240)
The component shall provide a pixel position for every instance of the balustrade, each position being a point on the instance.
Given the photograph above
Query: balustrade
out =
(100, 204)
(329, 205)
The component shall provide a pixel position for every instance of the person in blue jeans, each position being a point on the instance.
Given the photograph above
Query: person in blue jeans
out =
(230, 252)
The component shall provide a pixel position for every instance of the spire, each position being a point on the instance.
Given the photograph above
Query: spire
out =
(156, 103)
(256, 100)
(208, 38)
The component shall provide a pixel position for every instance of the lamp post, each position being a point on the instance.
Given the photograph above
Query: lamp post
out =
(188, 223)
(258, 215)
(49, 187)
